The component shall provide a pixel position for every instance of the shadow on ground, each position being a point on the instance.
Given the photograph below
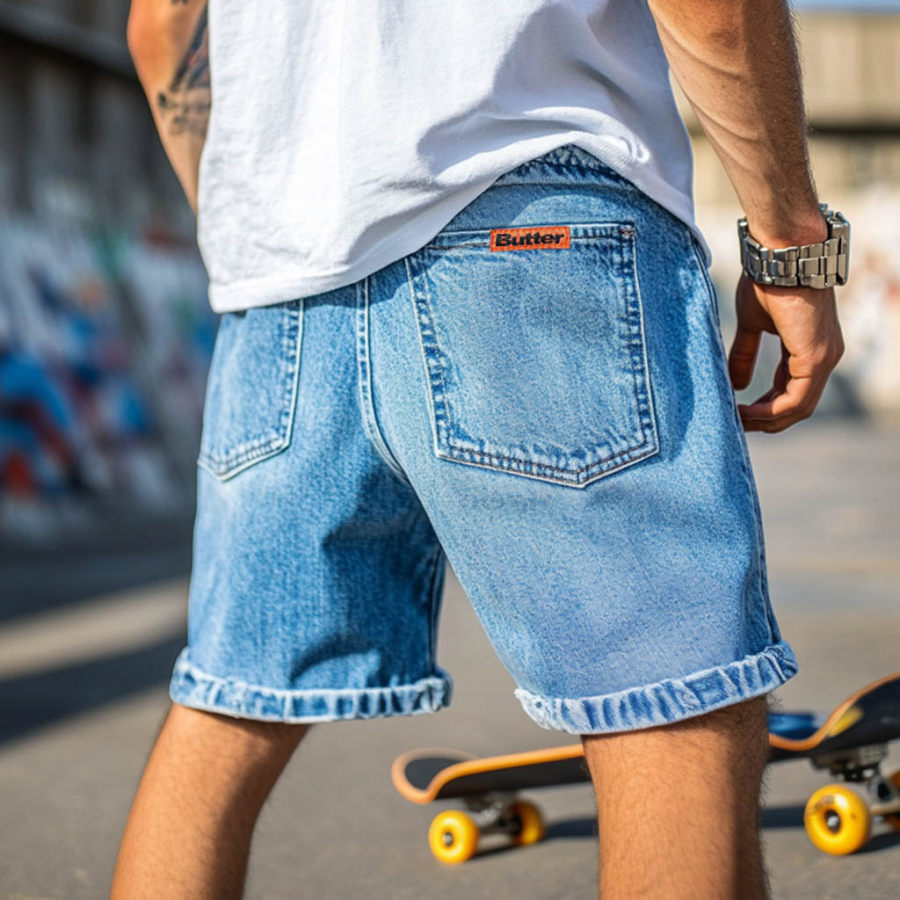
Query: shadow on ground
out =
(36, 700)
(124, 553)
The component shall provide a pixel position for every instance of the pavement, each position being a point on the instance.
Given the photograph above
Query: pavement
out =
(83, 691)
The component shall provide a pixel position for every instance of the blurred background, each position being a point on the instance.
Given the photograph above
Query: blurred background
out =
(105, 336)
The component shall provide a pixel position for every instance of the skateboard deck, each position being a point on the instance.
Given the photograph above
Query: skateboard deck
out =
(851, 743)
(868, 718)
(423, 776)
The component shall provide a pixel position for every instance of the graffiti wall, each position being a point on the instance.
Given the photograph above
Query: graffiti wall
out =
(104, 343)
(105, 339)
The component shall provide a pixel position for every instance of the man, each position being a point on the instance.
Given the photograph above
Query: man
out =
(466, 311)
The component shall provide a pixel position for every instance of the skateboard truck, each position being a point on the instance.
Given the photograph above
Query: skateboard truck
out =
(839, 821)
(454, 835)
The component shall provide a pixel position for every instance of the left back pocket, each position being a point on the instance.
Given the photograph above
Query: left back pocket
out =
(251, 389)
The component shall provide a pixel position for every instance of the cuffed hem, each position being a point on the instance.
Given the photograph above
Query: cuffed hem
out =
(197, 689)
(666, 701)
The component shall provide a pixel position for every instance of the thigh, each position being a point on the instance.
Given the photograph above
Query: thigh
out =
(698, 834)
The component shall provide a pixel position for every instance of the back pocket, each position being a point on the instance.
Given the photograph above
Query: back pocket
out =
(251, 389)
(535, 357)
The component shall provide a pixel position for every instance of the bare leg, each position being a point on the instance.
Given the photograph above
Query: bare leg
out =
(678, 807)
(188, 834)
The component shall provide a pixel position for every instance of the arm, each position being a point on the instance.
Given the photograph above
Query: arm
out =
(736, 61)
(168, 43)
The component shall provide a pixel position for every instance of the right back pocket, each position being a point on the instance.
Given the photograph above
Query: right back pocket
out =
(535, 358)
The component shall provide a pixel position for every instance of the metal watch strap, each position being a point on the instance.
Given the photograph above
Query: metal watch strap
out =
(821, 265)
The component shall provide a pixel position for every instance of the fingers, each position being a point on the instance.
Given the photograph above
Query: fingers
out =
(742, 356)
(752, 321)
(811, 345)
(778, 382)
(790, 399)
(794, 404)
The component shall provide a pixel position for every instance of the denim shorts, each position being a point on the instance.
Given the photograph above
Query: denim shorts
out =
(539, 395)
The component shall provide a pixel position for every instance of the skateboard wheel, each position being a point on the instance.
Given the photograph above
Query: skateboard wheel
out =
(453, 837)
(529, 823)
(837, 820)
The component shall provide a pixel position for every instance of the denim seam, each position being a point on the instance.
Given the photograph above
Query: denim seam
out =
(434, 601)
(637, 343)
(430, 395)
(651, 424)
(618, 464)
(246, 452)
(574, 162)
(364, 379)
(774, 632)
(746, 466)
(610, 462)
(226, 465)
(442, 413)
(548, 179)
(535, 466)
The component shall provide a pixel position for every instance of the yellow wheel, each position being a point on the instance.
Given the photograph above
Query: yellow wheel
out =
(453, 837)
(893, 819)
(837, 820)
(529, 824)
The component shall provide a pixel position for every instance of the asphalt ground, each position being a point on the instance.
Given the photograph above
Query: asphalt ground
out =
(83, 691)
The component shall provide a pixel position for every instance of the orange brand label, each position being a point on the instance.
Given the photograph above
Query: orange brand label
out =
(553, 237)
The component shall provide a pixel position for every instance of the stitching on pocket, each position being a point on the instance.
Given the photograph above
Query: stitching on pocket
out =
(601, 459)
(428, 344)
(225, 460)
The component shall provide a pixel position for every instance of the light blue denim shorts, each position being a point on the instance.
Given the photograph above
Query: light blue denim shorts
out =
(539, 395)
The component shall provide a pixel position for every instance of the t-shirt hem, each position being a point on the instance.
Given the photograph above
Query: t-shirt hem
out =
(249, 292)
(246, 293)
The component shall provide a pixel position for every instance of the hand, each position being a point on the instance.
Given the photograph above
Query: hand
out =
(811, 344)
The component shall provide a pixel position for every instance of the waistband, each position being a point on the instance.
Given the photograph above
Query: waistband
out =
(569, 157)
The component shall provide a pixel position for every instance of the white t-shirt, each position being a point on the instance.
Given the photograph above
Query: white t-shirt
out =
(344, 134)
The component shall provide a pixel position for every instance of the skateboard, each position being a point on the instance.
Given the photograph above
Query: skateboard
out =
(852, 742)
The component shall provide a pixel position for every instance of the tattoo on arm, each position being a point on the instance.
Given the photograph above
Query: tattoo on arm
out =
(186, 102)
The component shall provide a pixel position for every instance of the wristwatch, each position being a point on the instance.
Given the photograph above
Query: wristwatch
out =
(821, 265)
